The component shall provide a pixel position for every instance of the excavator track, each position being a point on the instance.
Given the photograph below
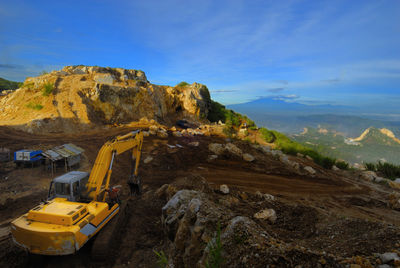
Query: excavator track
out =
(106, 241)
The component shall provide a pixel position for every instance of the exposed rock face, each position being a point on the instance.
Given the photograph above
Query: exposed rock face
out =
(91, 95)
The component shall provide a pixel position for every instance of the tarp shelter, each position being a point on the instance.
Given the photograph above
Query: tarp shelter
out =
(68, 155)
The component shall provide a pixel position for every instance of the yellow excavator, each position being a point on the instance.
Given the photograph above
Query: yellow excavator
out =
(78, 205)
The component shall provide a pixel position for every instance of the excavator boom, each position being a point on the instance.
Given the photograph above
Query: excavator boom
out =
(100, 176)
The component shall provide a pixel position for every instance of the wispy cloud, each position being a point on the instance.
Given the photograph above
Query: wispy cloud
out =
(9, 66)
(276, 90)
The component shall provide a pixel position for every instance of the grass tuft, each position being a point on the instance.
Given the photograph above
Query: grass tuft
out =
(34, 106)
(162, 260)
(215, 259)
(47, 89)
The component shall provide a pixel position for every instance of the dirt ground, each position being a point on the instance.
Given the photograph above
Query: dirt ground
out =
(332, 212)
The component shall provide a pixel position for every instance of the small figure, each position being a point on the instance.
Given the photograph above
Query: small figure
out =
(135, 185)
(113, 195)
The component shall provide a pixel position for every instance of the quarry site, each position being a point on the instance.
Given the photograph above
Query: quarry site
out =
(204, 192)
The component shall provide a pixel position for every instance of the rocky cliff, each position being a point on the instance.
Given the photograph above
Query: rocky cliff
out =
(78, 97)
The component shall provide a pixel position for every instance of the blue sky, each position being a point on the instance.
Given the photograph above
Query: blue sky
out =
(312, 52)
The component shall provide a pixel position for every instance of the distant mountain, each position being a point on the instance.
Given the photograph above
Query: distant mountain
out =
(276, 105)
(292, 117)
(378, 136)
(7, 84)
(371, 146)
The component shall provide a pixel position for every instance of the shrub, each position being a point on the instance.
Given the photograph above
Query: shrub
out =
(34, 106)
(217, 112)
(267, 135)
(47, 89)
(162, 261)
(342, 165)
(228, 131)
(390, 171)
(215, 259)
(182, 84)
(326, 162)
(370, 166)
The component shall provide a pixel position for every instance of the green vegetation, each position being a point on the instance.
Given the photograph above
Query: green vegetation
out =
(162, 261)
(342, 165)
(218, 112)
(34, 106)
(47, 89)
(389, 170)
(267, 135)
(370, 166)
(43, 72)
(291, 147)
(7, 84)
(215, 259)
(182, 84)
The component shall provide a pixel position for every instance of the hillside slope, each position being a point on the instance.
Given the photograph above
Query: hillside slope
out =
(8, 85)
(79, 97)
(371, 146)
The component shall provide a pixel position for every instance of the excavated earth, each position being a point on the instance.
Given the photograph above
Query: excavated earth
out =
(331, 219)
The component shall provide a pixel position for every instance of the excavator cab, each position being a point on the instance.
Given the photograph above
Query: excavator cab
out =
(69, 186)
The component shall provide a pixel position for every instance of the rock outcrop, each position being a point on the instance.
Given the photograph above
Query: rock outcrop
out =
(92, 96)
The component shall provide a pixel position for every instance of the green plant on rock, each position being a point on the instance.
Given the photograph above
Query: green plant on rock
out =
(162, 260)
(34, 106)
(182, 84)
(342, 165)
(267, 135)
(390, 171)
(370, 166)
(215, 259)
(47, 89)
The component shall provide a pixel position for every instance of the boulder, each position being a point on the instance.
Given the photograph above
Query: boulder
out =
(276, 153)
(335, 168)
(309, 158)
(368, 175)
(394, 200)
(194, 143)
(388, 257)
(228, 201)
(310, 170)
(162, 133)
(166, 191)
(233, 149)
(224, 189)
(248, 157)
(216, 148)
(212, 157)
(379, 179)
(294, 165)
(266, 214)
(177, 134)
(148, 160)
(269, 197)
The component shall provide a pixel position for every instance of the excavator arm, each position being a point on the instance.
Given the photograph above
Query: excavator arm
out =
(99, 178)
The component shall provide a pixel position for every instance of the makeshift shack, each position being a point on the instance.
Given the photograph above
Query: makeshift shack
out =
(67, 155)
(28, 157)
